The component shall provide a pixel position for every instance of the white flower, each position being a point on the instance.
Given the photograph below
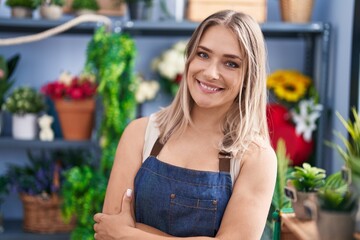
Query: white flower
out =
(171, 62)
(65, 78)
(306, 117)
(146, 91)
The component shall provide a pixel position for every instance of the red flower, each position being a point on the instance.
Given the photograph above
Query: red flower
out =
(280, 127)
(79, 88)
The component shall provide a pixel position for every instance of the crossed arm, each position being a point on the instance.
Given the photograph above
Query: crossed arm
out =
(244, 217)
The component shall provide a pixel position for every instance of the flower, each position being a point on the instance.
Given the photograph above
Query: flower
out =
(294, 114)
(71, 87)
(170, 65)
(146, 90)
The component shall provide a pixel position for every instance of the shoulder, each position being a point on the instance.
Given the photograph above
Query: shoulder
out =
(260, 153)
(137, 127)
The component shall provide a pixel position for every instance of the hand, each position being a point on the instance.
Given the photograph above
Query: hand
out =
(118, 226)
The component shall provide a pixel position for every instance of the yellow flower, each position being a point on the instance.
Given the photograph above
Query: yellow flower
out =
(288, 85)
(290, 91)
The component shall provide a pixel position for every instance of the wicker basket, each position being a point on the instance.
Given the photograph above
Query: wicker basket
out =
(43, 215)
(198, 10)
(296, 11)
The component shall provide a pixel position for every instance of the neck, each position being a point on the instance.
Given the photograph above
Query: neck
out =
(207, 119)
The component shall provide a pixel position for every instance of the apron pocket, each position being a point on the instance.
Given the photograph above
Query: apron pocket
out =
(192, 216)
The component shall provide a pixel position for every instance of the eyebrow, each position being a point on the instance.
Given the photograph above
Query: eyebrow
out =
(225, 55)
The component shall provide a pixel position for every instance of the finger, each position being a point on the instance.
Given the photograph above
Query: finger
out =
(95, 235)
(96, 225)
(126, 202)
(98, 217)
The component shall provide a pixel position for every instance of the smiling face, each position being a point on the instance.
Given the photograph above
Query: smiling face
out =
(215, 72)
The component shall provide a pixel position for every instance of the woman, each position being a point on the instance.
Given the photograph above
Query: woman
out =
(206, 168)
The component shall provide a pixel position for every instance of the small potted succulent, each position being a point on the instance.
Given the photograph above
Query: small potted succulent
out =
(85, 6)
(50, 9)
(25, 104)
(334, 209)
(305, 181)
(21, 8)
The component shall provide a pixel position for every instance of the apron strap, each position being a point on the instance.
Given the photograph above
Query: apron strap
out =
(224, 157)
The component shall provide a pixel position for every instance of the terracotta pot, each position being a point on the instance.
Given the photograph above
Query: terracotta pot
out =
(299, 209)
(106, 7)
(21, 12)
(51, 12)
(296, 11)
(76, 118)
(335, 225)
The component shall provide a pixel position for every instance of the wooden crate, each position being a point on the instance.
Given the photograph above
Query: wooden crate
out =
(198, 10)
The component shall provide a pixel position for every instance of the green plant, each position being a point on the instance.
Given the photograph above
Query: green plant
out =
(22, 3)
(85, 4)
(49, 2)
(307, 178)
(110, 57)
(335, 194)
(7, 67)
(43, 174)
(351, 153)
(25, 100)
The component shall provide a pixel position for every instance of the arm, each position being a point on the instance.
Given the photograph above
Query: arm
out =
(126, 164)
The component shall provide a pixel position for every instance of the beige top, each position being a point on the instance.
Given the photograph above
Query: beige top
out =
(152, 134)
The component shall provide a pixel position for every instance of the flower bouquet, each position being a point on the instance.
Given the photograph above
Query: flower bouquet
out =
(74, 99)
(293, 113)
(170, 65)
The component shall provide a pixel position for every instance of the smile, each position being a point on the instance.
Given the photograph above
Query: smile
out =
(207, 88)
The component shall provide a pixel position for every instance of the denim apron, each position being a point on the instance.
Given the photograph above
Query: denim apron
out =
(180, 201)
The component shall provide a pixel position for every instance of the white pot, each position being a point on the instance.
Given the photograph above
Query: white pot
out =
(24, 127)
(21, 12)
(51, 12)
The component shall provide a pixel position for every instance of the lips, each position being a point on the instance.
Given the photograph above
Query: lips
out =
(208, 88)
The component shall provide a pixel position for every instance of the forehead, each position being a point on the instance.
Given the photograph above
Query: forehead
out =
(221, 38)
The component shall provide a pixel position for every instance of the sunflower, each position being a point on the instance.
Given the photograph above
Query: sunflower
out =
(290, 91)
(288, 85)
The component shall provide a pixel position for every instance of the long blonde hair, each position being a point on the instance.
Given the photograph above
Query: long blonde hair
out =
(245, 121)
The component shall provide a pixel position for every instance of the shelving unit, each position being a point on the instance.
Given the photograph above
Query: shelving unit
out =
(315, 35)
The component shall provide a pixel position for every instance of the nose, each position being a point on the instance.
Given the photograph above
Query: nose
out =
(211, 72)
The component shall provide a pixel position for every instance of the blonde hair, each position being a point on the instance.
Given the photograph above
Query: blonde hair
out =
(245, 121)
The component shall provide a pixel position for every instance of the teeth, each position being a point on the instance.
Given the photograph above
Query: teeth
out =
(208, 88)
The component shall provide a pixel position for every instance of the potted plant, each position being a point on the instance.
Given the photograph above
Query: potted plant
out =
(7, 68)
(350, 153)
(21, 8)
(74, 99)
(50, 9)
(85, 6)
(24, 103)
(306, 181)
(334, 209)
(39, 185)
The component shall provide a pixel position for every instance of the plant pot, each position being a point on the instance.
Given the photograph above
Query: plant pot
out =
(51, 12)
(21, 12)
(301, 212)
(24, 127)
(296, 11)
(76, 118)
(335, 225)
(106, 7)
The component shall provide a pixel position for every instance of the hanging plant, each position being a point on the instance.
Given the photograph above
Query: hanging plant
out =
(111, 58)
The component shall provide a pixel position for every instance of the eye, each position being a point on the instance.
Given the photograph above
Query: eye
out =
(202, 55)
(232, 64)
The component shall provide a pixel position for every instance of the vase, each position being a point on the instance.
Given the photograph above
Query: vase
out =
(76, 118)
(51, 12)
(21, 12)
(24, 126)
(301, 212)
(296, 11)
